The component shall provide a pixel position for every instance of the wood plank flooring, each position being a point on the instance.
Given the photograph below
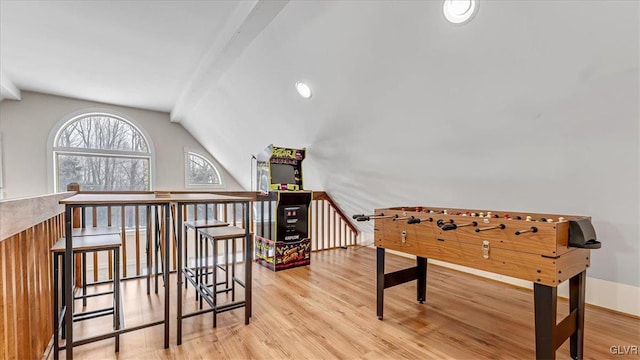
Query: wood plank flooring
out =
(328, 311)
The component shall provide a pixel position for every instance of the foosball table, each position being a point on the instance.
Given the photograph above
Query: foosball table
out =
(546, 249)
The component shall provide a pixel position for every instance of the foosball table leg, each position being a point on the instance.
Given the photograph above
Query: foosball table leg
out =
(549, 335)
(380, 281)
(383, 281)
(421, 268)
(545, 304)
(576, 302)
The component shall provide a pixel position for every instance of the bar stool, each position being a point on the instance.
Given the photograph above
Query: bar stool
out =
(90, 231)
(214, 235)
(82, 245)
(193, 275)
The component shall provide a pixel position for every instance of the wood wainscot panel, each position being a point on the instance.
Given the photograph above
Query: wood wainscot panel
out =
(30, 227)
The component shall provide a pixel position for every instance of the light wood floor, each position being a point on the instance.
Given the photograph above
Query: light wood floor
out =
(328, 311)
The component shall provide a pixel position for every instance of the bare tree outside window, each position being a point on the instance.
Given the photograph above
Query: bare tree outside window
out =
(102, 152)
(201, 171)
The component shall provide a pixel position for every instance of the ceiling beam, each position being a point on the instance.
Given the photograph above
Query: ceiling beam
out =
(242, 27)
(7, 89)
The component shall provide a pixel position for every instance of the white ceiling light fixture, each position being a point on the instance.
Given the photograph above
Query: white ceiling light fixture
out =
(459, 11)
(303, 89)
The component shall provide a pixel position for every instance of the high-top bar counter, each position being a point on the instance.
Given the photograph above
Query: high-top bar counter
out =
(154, 201)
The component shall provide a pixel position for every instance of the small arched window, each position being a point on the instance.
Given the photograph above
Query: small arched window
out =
(101, 152)
(200, 172)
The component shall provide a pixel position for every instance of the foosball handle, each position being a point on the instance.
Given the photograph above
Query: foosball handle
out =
(362, 218)
(413, 220)
(356, 216)
(441, 222)
(447, 227)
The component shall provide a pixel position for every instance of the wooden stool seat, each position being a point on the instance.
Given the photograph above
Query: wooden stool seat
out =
(205, 223)
(222, 233)
(92, 231)
(89, 243)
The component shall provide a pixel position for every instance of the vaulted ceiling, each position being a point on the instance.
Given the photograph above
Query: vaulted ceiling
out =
(144, 54)
(533, 105)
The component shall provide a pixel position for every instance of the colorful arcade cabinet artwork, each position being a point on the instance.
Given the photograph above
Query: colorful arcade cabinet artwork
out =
(282, 228)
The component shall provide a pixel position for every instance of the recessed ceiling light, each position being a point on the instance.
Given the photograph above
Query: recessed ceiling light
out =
(459, 11)
(303, 89)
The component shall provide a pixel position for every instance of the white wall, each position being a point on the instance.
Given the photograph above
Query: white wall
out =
(532, 106)
(26, 124)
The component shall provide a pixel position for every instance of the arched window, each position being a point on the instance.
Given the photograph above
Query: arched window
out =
(102, 152)
(200, 172)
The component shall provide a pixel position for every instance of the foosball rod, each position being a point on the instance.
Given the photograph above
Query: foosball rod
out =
(452, 225)
(473, 223)
(362, 217)
(402, 218)
(501, 226)
(414, 220)
(532, 229)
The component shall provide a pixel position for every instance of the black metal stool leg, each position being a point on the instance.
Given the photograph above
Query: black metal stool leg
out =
(226, 263)
(156, 248)
(116, 294)
(185, 257)
(84, 279)
(67, 307)
(56, 310)
(205, 267)
(198, 265)
(148, 248)
(215, 281)
(206, 262)
(233, 270)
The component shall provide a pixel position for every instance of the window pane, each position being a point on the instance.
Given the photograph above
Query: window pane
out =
(201, 171)
(102, 132)
(102, 173)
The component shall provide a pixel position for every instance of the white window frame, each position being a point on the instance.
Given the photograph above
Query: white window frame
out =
(52, 177)
(212, 162)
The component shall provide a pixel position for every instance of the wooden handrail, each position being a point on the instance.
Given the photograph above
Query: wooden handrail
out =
(16, 215)
(323, 195)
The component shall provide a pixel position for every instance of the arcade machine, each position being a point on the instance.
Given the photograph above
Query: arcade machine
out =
(282, 223)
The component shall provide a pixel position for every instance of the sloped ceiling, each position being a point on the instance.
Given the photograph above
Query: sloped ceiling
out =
(531, 106)
(133, 53)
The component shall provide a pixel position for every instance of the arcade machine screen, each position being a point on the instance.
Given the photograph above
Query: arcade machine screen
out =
(283, 174)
